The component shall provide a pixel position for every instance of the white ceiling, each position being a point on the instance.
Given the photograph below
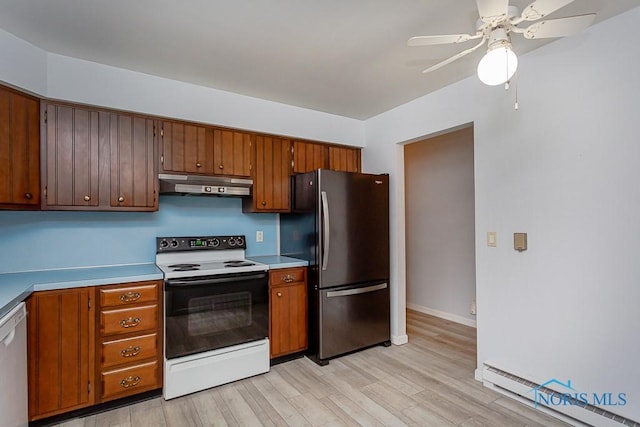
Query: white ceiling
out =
(346, 57)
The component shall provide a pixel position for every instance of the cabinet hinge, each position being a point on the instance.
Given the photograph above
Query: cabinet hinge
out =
(88, 387)
(45, 116)
(89, 303)
(154, 131)
(161, 132)
(45, 191)
(162, 159)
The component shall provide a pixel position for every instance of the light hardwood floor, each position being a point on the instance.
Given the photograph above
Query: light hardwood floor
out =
(427, 382)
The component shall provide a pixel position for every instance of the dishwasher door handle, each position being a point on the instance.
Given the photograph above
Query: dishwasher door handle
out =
(356, 291)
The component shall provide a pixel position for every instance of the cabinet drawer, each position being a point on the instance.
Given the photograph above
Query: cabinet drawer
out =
(131, 380)
(129, 350)
(284, 276)
(128, 320)
(127, 295)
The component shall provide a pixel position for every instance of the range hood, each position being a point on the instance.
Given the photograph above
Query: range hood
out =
(204, 185)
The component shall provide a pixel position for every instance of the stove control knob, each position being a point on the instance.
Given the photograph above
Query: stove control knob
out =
(232, 241)
(174, 243)
(240, 241)
(214, 243)
(164, 244)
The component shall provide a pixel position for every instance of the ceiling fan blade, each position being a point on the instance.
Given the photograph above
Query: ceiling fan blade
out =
(560, 27)
(541, 8)
(453, 58)
(431, 40)
(492, 11)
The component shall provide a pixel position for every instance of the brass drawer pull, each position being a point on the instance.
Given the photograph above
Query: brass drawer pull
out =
(121, 199)
(29, 196)
(198, 165)
(87, 198)
(130, 296)
(287, 279)
(130, 322)
(130, 351)
(130, 381)
(279, 294)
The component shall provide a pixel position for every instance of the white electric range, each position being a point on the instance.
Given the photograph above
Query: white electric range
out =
(216, 306)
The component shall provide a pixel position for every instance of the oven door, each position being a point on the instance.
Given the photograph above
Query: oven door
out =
(210, 312)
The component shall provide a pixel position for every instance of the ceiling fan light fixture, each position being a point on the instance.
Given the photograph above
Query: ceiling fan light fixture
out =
(499, 64)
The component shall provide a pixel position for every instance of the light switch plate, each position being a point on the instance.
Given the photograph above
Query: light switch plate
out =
(520, 241)
(492, 239)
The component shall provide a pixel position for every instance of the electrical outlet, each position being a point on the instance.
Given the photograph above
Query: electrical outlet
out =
(259, 236)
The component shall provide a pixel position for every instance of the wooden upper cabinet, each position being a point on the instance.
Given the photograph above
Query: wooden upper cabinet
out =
(133, 173)
(231, 153)
(309, 156)
(271, 171)
(186, 148)
(73, 156)
(19, 150)
(98, 160)
(60, 351)
(344, 159)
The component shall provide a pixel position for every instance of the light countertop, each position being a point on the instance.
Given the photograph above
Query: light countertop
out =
(279, 261)
(16, 287)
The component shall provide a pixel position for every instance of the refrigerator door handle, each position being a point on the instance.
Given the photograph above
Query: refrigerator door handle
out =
(325, 219)
(357, 291)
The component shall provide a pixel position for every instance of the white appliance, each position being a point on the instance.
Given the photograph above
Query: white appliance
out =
(216, 306)
(13, 368)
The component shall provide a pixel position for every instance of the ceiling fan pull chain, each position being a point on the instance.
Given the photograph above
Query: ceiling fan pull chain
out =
(515, 106)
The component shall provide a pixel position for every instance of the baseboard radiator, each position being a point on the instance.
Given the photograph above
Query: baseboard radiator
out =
(575, 412)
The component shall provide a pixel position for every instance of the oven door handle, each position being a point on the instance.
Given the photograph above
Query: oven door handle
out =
(212, 281)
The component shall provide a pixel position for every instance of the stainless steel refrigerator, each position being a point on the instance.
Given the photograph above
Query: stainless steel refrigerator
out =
(340, 224)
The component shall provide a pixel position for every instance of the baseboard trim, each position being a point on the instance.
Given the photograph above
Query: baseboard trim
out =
(399, 339)
(443, 315)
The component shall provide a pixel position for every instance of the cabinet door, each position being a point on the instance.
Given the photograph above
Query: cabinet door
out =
(72, 148)
(271, 170)
(186, 148)
(133, 176)
(288, 326)
(344, 159)
(232, 153)
(61, 351)
(308, 156)
(19, 149)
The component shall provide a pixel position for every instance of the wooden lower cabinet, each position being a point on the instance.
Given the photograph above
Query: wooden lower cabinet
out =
(288, 311)
(129, 339)
(93, 344)
(60, 351)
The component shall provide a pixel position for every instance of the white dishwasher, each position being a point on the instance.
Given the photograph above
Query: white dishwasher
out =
(13, 368)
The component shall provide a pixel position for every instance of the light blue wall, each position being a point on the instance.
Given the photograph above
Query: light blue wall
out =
(44, 240)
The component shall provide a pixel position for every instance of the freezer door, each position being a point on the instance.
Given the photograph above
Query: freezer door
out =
(353, 228)
(352, 318)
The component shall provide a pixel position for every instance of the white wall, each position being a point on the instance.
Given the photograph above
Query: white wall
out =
(564, 169)
(91, 83)
(440, 224)
(49, 75)
(22, 64)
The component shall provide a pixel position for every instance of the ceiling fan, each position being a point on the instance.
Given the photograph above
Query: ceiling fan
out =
(497, 21)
